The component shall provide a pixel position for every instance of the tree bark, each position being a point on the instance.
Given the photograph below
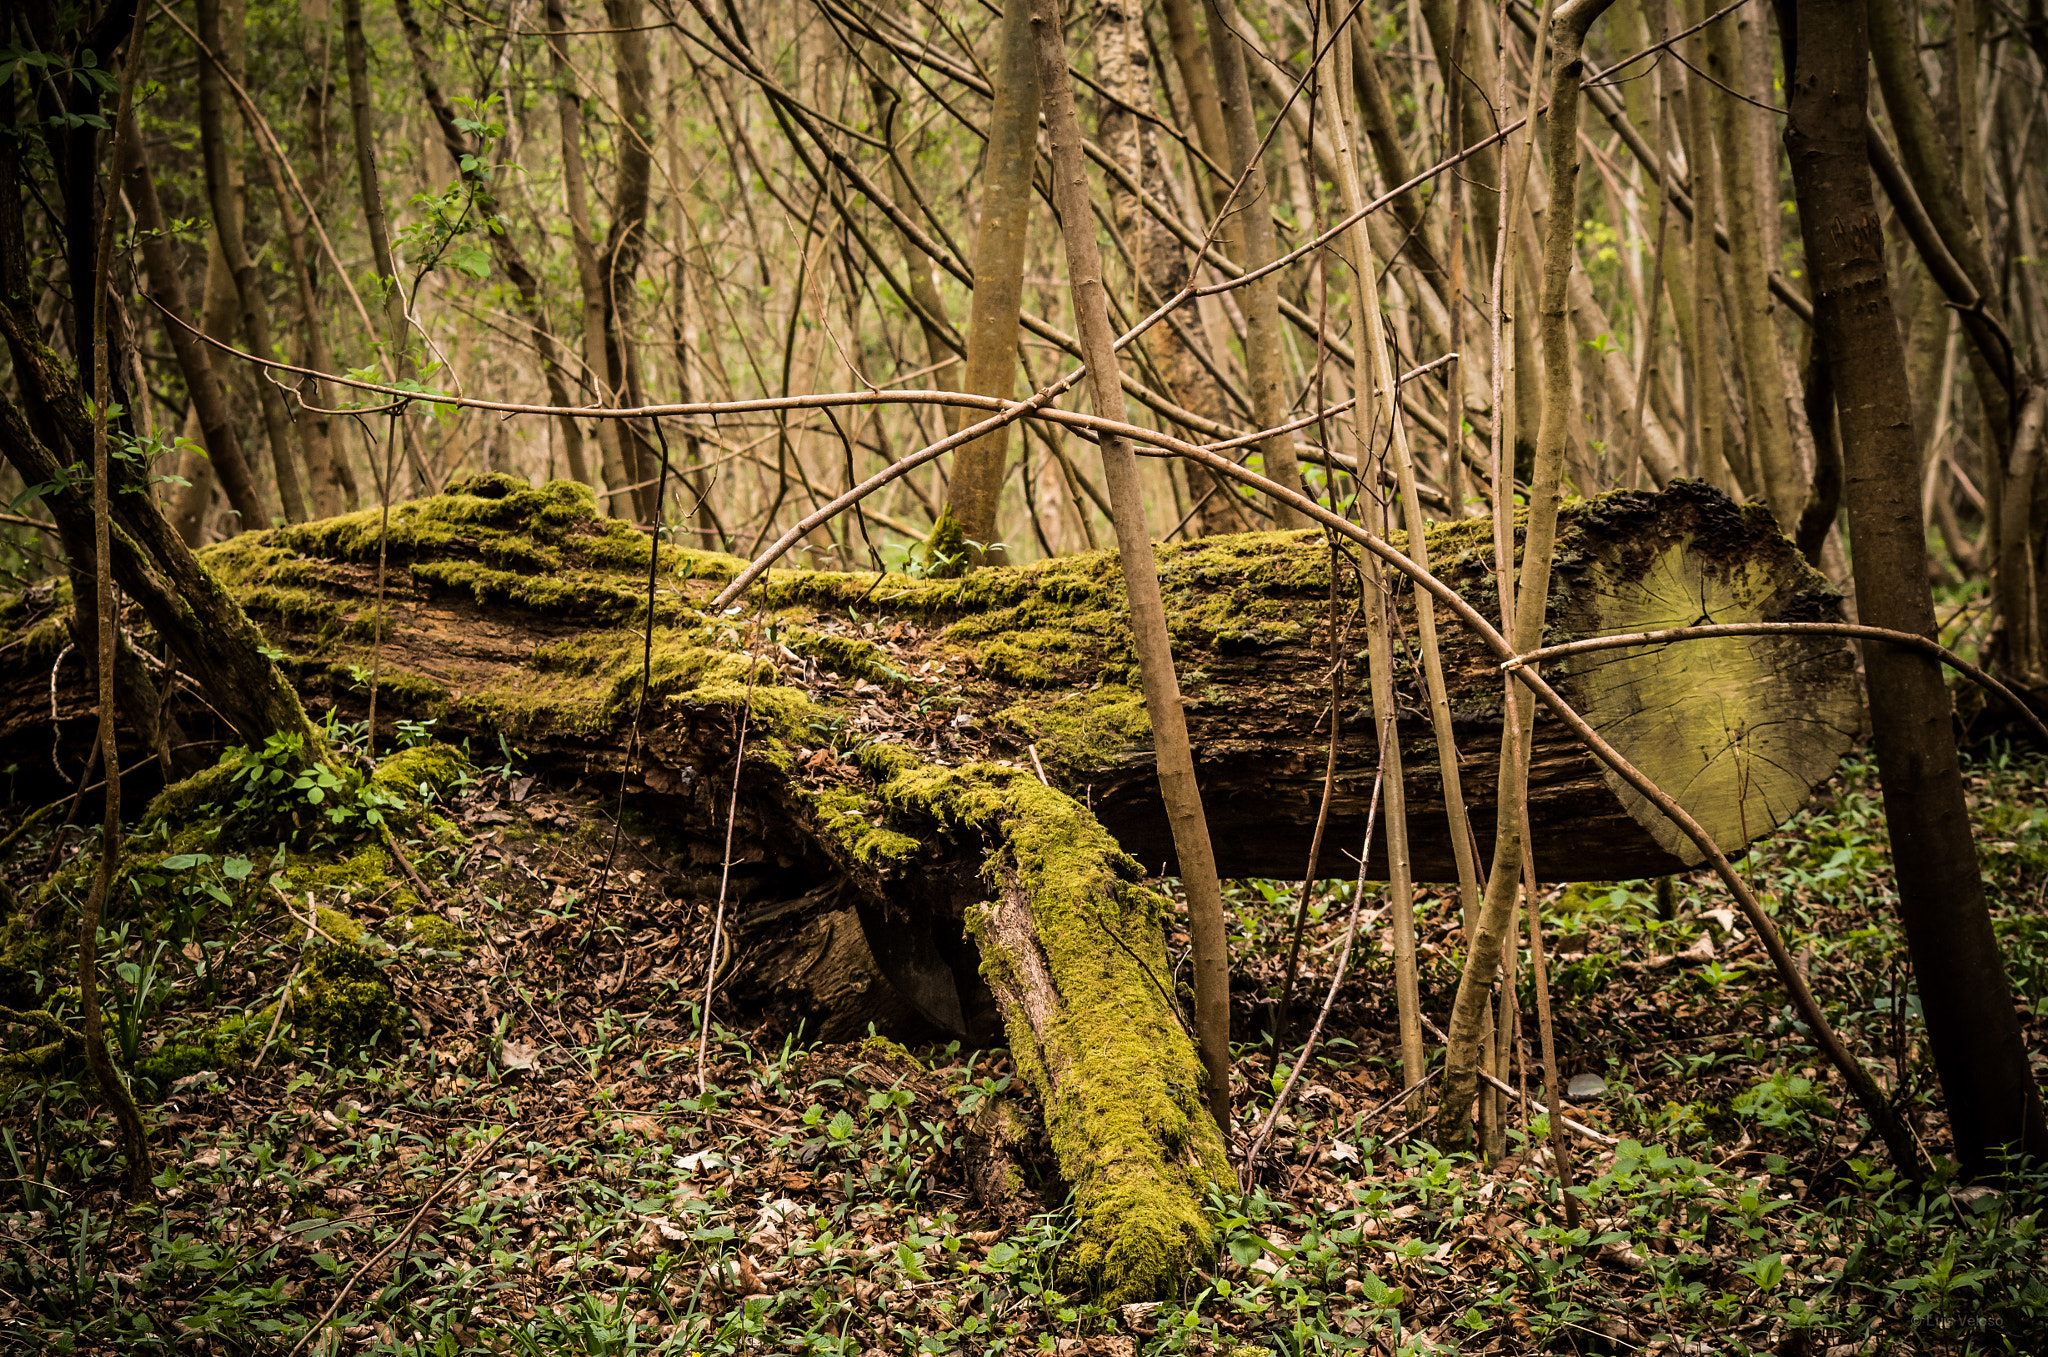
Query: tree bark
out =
(221, 33)
(1264, 348)
(462, 149)
(1710, 436)
(1771, 442)
(1532, 606)
(206, 629)
(1000, 237)
(192, 504)
(397, 336)
(589, 275)
(207, 392)
(1992, 1099)
(626, 238)
(1179, 791)
(1158, 261)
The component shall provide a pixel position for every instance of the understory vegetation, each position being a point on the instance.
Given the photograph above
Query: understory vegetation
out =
(478, 1123)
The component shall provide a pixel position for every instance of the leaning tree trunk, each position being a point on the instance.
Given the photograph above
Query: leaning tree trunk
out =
(903, 850)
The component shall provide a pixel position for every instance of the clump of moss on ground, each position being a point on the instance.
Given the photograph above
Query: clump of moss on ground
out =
(341, 999)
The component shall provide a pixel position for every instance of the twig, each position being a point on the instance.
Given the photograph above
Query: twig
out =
(1853, 630)
(284, 997)
(732, 814)
(405, 865)
(1258, 1144)
(461, 1171)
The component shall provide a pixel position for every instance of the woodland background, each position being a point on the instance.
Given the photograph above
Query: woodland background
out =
(346, 258)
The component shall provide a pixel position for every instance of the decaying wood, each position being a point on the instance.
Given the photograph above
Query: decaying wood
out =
(1740, 730)
(902, 862)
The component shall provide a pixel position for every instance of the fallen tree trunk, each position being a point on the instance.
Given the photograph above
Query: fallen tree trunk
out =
(897, 727)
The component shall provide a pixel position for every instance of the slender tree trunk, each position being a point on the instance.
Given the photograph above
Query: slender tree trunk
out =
(1770, 436)
(921, 271)
(1469, 1012)
(1993, 1102)
(1265, 351)
(397, 337)
(1000, 237)
(1376, 429)
(504, 247)
(208, 394)
(627, 238)
(1159, 262)
(1177, 786)
(1710, 434)
(589, 274)
(1376, 109)
(222, 32)
(193, 504)
(134, 1136)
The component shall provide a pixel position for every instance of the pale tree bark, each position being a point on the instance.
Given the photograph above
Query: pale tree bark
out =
(1768, 428)
(221, 28)
(1471, 71)
(1376, 112)
(1001, 234)
(1709, 414)
(1178, 789)
(1264, 346)
(1375, 429)
(1205, 111)
(1469, 1012)
(1993, 1101)
(1160, 263)
(589, 272)
(317, 106)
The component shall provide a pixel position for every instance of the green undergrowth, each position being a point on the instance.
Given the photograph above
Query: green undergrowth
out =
(816, 1199)
(261, 843)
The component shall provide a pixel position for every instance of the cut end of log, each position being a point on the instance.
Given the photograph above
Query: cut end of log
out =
(1739, 730)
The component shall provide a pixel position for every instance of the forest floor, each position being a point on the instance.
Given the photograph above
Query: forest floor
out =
(529, 1166)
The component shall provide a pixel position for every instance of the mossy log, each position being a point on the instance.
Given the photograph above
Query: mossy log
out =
(896, 728)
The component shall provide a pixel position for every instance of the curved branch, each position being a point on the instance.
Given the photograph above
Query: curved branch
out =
(1854, 630)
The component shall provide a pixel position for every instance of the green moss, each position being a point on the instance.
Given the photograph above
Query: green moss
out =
(944, 554)
(852, 819)
(430, 931)
(1082, 731)
(421, 772)
(364, 876)
(222, 1046)
(339, 928)
(1126, 1116)
(883, 1051)
(341, 999)
(184, 802)
(846, 655)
